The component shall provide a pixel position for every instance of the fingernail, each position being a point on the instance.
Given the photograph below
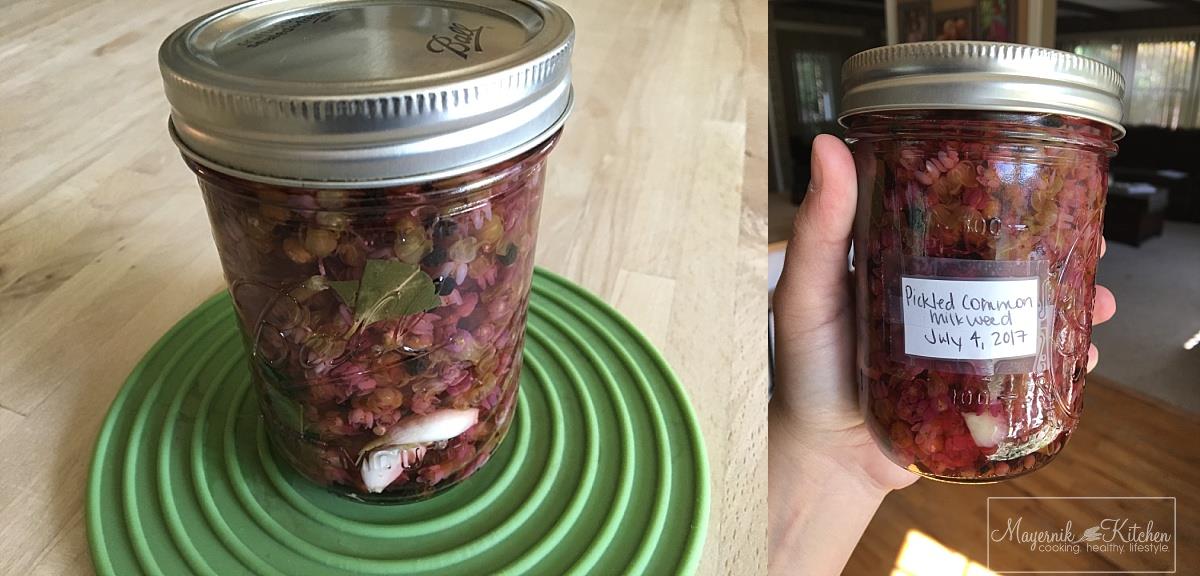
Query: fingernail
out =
(814, 178)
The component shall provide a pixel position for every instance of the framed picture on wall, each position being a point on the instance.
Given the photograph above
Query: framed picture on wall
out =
(955, 25)
(915, 20)
(997, 20)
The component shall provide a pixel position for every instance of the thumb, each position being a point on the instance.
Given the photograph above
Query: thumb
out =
(812, 286)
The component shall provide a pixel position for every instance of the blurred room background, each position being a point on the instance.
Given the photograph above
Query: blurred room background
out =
(1146, 388)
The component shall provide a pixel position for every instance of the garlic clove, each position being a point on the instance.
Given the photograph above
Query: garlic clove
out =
(426, 428)
(986, 429)
(381, 467)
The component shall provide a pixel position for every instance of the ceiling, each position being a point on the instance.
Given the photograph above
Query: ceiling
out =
(1116, 5)
(1074, 16)
(1101, 8)
(1097, 15)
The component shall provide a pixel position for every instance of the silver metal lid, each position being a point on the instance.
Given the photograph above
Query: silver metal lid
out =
(981, 76)
(358, 93)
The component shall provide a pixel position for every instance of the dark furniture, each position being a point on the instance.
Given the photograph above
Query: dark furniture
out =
(1164, 158)
(1131, 215)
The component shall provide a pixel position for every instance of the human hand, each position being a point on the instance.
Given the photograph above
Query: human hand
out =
(818, 438)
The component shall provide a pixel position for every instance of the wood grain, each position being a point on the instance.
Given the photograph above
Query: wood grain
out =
(1126, 445)
(656, 201)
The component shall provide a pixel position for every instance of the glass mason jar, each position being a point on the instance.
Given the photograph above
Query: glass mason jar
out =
(373, 174)
(982, 171)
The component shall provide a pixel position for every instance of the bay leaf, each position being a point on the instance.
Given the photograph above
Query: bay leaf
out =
(346, 289)
(391, 289)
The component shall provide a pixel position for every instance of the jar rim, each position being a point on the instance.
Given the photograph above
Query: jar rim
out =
(435, 190)
(991, 125)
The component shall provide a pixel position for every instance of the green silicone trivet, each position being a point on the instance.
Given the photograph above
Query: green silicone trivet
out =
(603, 472)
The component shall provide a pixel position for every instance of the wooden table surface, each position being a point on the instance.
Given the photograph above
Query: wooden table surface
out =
(656, 201)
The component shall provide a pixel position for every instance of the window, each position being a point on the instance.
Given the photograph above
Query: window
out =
(1161, 87)
(814, 87)
(1106, 52)
(1162, 83)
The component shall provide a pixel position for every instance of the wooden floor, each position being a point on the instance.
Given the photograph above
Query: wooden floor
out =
(1126, 445)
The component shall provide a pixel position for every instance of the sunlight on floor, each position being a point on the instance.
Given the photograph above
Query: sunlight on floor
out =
(923, 556)
(1192, 342)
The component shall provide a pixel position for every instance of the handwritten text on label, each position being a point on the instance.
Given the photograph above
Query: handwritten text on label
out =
(970, 319)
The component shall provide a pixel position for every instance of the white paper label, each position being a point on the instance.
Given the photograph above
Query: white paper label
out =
(970, 319)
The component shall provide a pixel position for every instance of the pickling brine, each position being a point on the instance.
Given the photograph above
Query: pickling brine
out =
(385, 326)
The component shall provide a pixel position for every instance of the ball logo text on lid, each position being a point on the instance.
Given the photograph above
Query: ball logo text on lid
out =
(462, 41)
